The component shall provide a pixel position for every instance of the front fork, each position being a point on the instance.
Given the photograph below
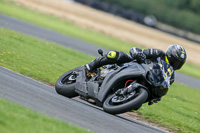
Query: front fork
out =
(129, 89)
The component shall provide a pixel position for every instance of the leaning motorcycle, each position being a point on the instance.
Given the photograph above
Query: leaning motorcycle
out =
(118, 88)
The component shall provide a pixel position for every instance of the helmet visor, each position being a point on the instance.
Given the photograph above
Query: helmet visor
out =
(176, 64)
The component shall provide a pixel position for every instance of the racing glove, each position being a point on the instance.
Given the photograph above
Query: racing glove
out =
(140, 57)
(155, 101)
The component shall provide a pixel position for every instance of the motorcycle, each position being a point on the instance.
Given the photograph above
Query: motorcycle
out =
(118, 88)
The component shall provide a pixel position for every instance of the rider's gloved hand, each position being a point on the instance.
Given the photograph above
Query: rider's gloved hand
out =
(140, 57)
(157, 100)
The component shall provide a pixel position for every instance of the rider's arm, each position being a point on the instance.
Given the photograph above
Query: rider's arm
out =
(150, 53)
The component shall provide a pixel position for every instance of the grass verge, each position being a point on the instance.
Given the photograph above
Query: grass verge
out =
(36, 58)
(17, 119)
(65, 27)
(179, 110)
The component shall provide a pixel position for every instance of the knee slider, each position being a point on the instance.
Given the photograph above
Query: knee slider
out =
(112, 55)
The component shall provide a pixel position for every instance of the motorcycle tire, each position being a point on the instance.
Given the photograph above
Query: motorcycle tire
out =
(64, 89)
(133, 104)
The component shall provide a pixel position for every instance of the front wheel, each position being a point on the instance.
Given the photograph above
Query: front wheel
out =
(65, 85)
(120, 104)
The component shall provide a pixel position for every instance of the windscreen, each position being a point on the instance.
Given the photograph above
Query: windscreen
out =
(160, 74)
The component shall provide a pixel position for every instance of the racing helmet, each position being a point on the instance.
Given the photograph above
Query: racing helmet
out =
(176, 56)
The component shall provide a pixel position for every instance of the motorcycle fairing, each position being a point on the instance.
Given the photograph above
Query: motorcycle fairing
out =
(127, 71)
(84, 86)
(81, 84)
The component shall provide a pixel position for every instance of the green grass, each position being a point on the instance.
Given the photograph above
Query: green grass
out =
(178, 110)
(17, 119)
(36, 58)
(65, 27)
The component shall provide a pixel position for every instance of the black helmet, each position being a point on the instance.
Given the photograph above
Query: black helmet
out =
(176, 56)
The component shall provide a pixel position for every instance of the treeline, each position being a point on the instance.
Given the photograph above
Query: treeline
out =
(183, 14)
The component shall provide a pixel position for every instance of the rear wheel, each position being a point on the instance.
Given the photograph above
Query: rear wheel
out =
(116, 104)
(65, 85)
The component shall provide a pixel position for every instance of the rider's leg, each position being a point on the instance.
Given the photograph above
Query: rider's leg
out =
(111, 57)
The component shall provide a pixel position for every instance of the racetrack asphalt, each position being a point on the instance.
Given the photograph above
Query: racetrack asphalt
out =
(52, 36)
(42, 98)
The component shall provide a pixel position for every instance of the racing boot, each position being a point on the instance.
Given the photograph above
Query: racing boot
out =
(93, 65)
(98, 62)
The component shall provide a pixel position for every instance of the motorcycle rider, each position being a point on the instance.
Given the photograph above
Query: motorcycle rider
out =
(175, 56)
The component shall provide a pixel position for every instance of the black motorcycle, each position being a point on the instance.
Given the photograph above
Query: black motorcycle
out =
(118, 88)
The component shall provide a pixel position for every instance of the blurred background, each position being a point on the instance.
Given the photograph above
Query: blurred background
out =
(140, 22)
(182, 14)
